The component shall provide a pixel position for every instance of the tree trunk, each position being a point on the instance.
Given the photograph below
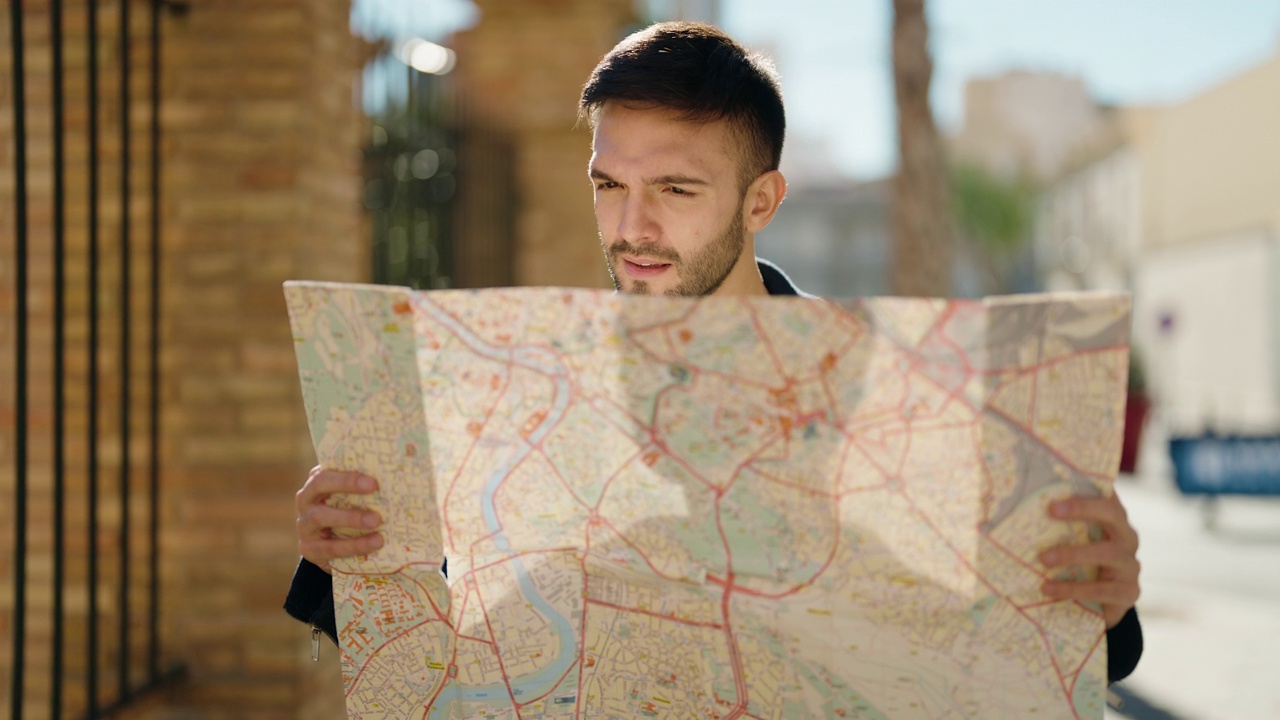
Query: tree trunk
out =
(921, 216)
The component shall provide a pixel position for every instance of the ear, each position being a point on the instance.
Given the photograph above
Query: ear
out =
(762, 199)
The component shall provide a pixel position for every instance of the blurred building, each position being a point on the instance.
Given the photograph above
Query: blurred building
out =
(1024, 124)
(707, 11)
(831, 236)
(1181, 205)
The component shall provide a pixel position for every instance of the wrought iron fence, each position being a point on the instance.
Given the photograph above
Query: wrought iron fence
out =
(85, 437)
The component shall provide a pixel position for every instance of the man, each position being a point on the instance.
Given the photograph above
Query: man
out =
(688, 133)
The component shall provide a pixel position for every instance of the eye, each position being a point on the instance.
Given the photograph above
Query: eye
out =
(606, 185)
(676, 190)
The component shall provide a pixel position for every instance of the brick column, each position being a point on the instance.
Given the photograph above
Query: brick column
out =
(263, 185)
(260, 183)
(522, 69)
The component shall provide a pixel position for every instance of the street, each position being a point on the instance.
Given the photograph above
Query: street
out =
(1210, 605)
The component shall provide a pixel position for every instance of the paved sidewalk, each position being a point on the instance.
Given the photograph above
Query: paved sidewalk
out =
(1210, 606)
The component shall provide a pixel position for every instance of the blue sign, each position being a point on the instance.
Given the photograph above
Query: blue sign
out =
(1226, 465)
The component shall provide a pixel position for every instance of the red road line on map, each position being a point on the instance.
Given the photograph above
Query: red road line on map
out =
(952, 394)
(508, 558)
(637, 550)
(945, 339)
(582, 628)
(822, 377)
(832, 494)
(1062, 678)
(604, 489)
(677, 459)
(1075, 678)
(497, 488)
(560, 476)
(906, 450)
(1045, 444)
(735, 655)
(765, 443)
(399, 571)
(764, 339)
(444, 506)
(1051, 362)
(1010, 554)
(355, 680)
(453, 658)
(833, 406)
(670, 618)
(948, 311)
(959, 557)
(831, 555)
(682, 318)
(497, 653)
(642, 350)
(884, 471)
(1035, 395)
(609, 401)
(556, 685)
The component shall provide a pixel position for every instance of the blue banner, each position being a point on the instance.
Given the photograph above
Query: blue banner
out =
(1226, 465)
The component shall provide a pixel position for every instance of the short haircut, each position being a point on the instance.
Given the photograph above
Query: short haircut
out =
(703, 75)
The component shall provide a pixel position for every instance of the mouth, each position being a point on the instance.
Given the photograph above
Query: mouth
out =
(643, 269)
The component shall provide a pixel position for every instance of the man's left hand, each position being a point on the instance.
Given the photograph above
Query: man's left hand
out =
(1115, 555)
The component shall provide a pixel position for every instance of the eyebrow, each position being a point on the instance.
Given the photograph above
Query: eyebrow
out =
(674, 179)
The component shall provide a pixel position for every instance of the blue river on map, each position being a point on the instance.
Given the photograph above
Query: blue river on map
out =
(546, 678)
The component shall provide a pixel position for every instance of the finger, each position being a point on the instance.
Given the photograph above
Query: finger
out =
(1107, 512)
(1103, 510)
(1100, 554)
(321, 552)
(315, 522)
(322, 483)
(1103, 592)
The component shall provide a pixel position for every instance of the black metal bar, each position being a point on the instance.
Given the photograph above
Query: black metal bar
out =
(153, 602)
(17, 44)
(59, 358)
(169, 678)
(91, 674)
(125, 365)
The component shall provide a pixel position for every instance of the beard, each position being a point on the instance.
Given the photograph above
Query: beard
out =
(701, 274)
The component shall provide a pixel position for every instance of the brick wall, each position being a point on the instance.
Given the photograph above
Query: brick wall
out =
(260, 184)
(38, 422)
(522, 69)
(263, 156)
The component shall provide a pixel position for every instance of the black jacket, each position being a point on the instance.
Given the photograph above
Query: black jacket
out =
(310, 597)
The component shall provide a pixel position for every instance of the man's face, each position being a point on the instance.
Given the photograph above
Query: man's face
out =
(668, 203)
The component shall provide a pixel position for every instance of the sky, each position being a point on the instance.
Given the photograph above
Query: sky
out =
(833, 55)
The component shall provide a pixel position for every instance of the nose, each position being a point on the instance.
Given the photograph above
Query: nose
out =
(636, 222)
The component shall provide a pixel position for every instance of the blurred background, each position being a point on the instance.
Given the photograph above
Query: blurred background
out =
(165, 165)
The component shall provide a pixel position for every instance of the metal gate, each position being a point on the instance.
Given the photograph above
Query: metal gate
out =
(440, 191)
(83, 256)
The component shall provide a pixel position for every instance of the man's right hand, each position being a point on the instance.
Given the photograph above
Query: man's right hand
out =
(317, 521)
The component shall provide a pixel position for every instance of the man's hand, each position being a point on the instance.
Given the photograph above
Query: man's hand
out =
(317, 521)
(1115, 555)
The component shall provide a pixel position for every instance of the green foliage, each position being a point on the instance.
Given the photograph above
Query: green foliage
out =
(1137, 372)
(995, 214)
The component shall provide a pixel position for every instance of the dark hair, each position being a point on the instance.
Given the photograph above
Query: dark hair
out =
(701, 73)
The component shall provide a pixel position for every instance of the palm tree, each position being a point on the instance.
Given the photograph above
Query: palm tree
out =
(920, 217)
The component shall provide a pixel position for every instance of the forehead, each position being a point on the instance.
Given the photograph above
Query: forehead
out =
(658, 140)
